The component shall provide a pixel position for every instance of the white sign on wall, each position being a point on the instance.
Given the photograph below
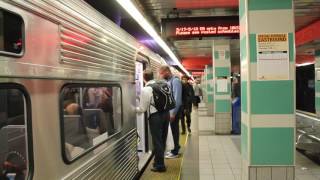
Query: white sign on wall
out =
(222, 54)
(272, 56)
(222, 85)
(318, 75)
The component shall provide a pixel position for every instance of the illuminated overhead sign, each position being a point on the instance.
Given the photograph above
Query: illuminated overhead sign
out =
(206, 30)
(201, 27)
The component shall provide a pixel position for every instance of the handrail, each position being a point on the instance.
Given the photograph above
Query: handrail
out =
(306, 113)
(308, 116)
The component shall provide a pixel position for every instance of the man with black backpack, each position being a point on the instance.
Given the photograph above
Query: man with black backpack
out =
(156, 99)
(176, 87)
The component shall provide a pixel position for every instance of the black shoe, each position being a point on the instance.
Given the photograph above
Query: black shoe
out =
(189, 130)
(183, 132)
(154, 169)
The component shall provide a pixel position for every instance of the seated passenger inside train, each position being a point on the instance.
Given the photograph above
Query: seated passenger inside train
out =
(88, 114)
(98, 110)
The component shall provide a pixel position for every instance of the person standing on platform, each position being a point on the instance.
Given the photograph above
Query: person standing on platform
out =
(176, 87)
(197, 94)
(158, 120)
(187, 98)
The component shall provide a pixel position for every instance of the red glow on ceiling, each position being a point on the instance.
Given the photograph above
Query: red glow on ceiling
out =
(198, 4)
(302, 59)
(307, 34)
(196, 63)
(197, 73)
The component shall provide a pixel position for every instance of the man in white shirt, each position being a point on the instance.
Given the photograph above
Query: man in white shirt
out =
(158, 122)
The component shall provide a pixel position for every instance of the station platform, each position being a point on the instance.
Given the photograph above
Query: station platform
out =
(207, 156)
(173, 165)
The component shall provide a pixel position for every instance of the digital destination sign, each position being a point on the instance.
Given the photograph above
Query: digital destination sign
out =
(201, 27)
(203, 30)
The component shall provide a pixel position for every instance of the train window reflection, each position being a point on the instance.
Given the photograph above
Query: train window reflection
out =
(13, 137)
(11, 26)
(91, 115)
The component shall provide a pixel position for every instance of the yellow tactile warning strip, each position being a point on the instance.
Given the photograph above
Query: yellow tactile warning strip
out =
(184, 146)
(173, 166)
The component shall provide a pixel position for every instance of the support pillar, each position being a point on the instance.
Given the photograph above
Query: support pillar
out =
(1, 32)
(204, 89)
(317, 82)
(222, 89)
(209, 90)
(267, 89)
(204, 86)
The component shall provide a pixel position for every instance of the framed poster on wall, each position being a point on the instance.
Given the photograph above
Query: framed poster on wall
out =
(272, 56)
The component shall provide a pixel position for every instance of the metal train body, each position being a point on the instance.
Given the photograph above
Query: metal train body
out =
(68, 42)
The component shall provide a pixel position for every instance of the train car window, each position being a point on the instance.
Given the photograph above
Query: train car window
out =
(11, 36)
(91, 115)
(305, 88)
(14, 163)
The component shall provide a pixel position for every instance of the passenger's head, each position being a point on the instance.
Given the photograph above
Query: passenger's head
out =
(235, 80)
(72, 109)
(184, 79)
(197, 81)
(147, 75)
(165, 72)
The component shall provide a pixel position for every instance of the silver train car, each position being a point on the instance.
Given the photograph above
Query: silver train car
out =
(69, 78)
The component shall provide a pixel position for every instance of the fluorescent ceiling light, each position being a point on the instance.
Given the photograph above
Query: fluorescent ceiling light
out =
(137, 16)
(304, 64)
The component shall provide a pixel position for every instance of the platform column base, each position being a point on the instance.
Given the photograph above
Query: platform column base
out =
(267, 172)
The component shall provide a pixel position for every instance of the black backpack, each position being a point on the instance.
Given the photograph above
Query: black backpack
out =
(162, 96)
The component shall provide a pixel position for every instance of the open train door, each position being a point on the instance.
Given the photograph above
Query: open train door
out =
(142, 62)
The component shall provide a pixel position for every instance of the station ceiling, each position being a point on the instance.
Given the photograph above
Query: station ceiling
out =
(196, 52)
(306, 12)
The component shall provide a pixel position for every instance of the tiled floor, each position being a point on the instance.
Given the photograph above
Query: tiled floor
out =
(306, 169)
(220, 159)
(190, 169)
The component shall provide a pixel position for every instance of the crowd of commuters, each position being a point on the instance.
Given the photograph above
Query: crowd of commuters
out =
(184, 95)
(167, 99)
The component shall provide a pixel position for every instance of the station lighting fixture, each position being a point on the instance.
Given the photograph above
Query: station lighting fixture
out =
(304, 64)
(138, 17)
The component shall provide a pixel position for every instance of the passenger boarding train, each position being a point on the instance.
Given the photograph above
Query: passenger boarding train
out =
(69, 78)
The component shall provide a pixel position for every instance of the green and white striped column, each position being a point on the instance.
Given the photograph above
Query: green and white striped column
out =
(268, 106)
(222, 95)
(209, 90)
(204, 85)
(317, 82)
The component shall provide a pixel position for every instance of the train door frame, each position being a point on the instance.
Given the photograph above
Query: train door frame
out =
(145, 61)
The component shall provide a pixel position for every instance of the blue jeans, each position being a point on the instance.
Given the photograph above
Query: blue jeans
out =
(175, 132)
